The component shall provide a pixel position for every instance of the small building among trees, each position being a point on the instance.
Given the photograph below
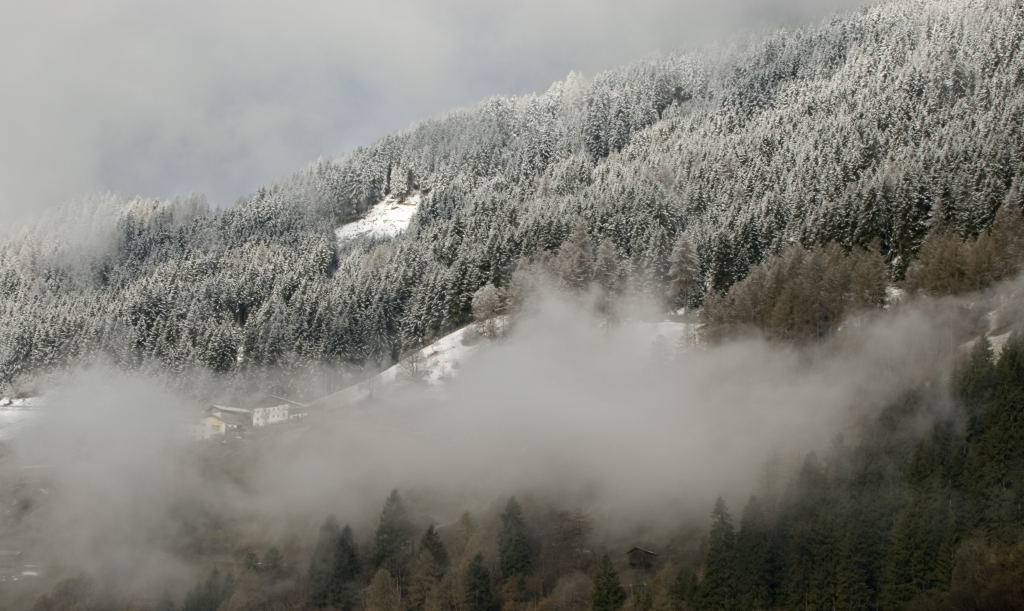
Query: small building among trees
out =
(269, 410)
(641, 559)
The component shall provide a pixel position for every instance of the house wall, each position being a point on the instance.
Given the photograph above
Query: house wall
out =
(262, 416)
(209, 427)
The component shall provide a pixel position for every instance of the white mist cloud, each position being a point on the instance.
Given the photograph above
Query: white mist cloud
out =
(565, 410)
(165, 98)
(591, 417)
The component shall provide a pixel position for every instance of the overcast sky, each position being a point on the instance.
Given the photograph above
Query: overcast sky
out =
(221, 96)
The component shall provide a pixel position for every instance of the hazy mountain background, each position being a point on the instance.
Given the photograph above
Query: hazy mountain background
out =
(868, 131)
(775, 279)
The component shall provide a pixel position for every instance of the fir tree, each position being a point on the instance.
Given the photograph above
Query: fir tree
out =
(683, 270)
(608, 267)
(478, 595)
(574, 262)
(514, 546)
(432, 543)
(321, 566)
(393, 540)
(753, 553)
(717, 589)
(608, 592)
(345, 571)
(974, 378)
(684, 590)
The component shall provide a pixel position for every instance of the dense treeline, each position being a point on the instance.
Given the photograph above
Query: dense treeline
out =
(948, 264)
(868, 131)
(898, 520)
(801, 294)
(804, 294)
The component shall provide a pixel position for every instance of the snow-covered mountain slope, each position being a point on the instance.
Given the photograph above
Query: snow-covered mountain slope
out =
(386, 219)
(441, 361)
(830, 133)
(433, 364)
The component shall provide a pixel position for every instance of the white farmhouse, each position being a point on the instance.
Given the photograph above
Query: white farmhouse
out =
(269, 411)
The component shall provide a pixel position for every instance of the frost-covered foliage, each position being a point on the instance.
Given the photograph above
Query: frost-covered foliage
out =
(859, 131)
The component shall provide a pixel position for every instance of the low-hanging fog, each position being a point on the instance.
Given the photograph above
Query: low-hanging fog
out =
(564, 410)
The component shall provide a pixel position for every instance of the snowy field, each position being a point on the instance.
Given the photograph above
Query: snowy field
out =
(386, 219)
(442, 360)
(437, 362)
(13, 415)
(434, 364)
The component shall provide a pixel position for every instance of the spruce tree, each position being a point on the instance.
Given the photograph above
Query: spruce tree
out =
(608, 592)
(344, 587)
(974, 377)
(753, 553)
(393, 540)
(515, 551)
(478, 594)
(683, 591)
(682, 272)
(322, 563)
(432, 543)
(574, 262)
(607, 267)
(856, 558)
(717, 590)
(809, 540)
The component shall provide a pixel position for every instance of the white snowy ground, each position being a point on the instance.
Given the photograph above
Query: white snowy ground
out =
(15, 413)
(438, 361)
(434, 364)
(998, 342)
(385, 219)
(442, 360)
(23, 403)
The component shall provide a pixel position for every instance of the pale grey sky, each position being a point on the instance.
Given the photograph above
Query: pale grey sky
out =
(160, 98)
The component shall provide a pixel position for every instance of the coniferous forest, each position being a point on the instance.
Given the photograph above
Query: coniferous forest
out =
(785, 192)
(871, 132)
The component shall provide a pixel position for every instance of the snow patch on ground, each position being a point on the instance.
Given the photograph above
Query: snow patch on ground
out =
(20, 403)
(998, 342)
(893, 296)
(385, 219)
(15, 413)
(434, 365)
(442, 360)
